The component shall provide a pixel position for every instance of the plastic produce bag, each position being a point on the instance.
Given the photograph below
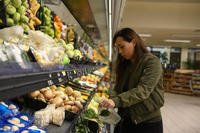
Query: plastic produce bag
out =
(59, 116)
(109, 116)
(42, 117)
(40, 39)
(11, 33)
(51, 108)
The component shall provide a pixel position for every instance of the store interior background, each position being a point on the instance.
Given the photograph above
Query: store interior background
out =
(170, 28)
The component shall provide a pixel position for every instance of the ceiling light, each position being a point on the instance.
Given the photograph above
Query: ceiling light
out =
(187, 35)
(198, 45)
(145, 35)
(182, 41)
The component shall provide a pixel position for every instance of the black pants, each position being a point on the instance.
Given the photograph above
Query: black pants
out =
(126, 126)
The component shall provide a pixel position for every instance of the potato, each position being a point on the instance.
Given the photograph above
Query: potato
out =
(68, 107)
(44, 89)
(70, 103)
(53, 87)
(71, 98)
(34, 93)
(75, 109)
(41, 97)
(48, 94)
(76, 94)
(61, 94)
(78, 104)
(57, 101)
(68, 90)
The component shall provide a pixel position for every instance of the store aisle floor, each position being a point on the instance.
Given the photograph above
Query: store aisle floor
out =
(181, 114)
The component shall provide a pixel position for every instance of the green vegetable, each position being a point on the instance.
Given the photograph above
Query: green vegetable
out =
(16, 17)
(25, 4)
(6, 2)
(25, 27)
(65, 60)
(51, 32)
(24, 19)
(21, 10)
(16, 3)
(47, 11)
(10, 21)
(70, 54)
(10, 9)
(77, 53)
(69, 47)
(105, 112)
(90, 113)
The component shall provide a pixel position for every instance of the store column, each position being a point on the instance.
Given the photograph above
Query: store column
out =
(184, 57)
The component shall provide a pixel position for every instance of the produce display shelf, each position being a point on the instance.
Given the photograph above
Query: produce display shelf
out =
(22, 83)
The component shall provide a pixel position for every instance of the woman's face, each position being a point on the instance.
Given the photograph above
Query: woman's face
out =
(125, 48)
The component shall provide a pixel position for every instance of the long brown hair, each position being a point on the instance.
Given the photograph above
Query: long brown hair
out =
(128, 35)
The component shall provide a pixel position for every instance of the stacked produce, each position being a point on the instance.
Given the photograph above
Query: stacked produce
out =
(58, 27)
(50, 114)
(103, 89)
(45, 49)
(70, 51)
(89, 80)
(34, 21)
(16, 13)
(46, 17)
(60, 96)
(70, 34)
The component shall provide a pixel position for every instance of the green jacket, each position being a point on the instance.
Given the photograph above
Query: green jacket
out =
(145, 93)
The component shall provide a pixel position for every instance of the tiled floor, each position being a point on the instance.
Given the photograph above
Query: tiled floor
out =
(181, 114)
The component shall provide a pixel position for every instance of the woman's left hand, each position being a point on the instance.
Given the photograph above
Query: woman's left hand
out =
(107, 103)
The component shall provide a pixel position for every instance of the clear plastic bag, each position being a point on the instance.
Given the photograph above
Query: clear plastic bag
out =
(109, 116)
(11, 33)
(59, 116)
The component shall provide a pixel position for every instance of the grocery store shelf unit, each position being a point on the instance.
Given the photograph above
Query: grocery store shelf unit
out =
(19, 84)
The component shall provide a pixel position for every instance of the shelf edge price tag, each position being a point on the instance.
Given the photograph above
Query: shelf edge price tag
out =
(50, 82)
(63, 73)
(60, 79)
(58, 74)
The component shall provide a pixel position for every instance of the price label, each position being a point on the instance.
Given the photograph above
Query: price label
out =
(58, 74)
(50, 75)
(74, 71)
(50, 82)
(63, 73)
(60, 79)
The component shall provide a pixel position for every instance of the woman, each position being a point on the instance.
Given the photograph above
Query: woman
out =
(138, 92)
